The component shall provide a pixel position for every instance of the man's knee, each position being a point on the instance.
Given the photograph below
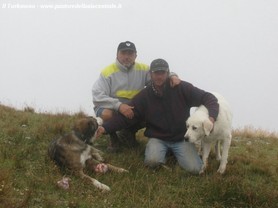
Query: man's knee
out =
(153, 160)
(155, 152)
(194, 170)
(193, 166)
(106, 114)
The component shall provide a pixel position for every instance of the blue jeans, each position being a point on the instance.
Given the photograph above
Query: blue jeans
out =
(98, 111)
(185, 153)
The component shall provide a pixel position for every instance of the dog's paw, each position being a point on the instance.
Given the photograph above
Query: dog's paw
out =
(221, 170)
(218, 157)
(100, 158)
(101, 168)
(202, 171)
(105, 188)
(121, 170)
(101, 186)
(64, 183)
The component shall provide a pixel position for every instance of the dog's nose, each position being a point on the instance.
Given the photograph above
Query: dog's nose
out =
(186, 138)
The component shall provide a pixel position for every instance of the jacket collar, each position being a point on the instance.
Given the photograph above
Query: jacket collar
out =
(122, 67)
(156, 92)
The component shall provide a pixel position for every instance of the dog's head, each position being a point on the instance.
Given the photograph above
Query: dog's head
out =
(86, 128)
(197, 128)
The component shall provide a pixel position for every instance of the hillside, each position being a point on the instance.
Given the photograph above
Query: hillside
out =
(28, 178)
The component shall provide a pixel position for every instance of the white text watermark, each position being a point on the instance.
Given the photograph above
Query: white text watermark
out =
(61, 6)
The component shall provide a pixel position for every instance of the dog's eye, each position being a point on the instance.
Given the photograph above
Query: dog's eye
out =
(194, 127)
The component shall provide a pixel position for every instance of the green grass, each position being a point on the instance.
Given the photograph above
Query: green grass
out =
(28, 178)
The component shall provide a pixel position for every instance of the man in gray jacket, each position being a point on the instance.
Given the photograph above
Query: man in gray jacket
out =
(118, 83)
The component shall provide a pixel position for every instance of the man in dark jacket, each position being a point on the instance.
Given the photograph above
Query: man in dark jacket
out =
(165, 110)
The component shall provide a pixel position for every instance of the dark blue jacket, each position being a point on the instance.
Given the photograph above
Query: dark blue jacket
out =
(165, 115)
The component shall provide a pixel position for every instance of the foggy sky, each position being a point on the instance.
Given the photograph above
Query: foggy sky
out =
(52, 52)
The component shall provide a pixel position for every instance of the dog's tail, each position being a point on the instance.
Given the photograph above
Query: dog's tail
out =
(52, 149)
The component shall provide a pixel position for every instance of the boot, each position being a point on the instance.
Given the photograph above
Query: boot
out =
(127, 138)
(114, 143)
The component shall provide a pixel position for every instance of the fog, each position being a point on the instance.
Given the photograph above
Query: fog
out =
(51, 52)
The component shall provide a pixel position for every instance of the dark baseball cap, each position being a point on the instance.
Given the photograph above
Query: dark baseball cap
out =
(127, 45)
(159, 65)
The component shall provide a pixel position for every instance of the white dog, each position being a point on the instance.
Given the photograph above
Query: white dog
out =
(200, 128)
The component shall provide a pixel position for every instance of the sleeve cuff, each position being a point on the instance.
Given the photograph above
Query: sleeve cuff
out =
(117, 105)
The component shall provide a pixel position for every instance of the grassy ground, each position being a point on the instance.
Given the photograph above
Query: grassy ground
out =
(28, 178)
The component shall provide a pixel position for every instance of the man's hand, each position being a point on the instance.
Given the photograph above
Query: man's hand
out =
(174, 81)
(100, 131)
(126, 110)
(212, 119)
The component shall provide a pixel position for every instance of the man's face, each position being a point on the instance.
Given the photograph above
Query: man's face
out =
(159, 78)
(126, 57)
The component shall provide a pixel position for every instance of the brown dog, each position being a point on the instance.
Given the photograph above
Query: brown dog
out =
(74, 151)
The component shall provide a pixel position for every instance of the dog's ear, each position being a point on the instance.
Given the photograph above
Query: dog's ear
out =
(207, 125)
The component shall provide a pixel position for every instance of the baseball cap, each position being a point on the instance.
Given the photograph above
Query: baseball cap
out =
(127, 45)
(159, 65)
